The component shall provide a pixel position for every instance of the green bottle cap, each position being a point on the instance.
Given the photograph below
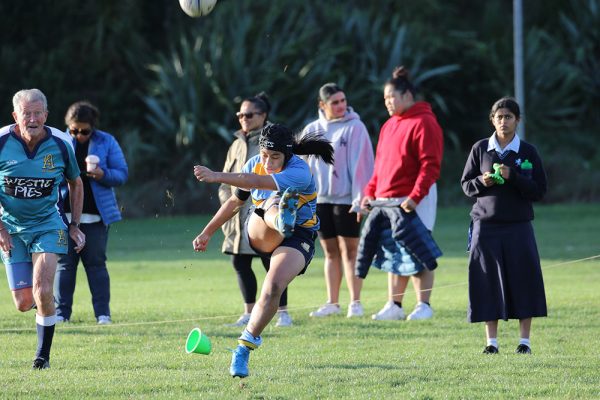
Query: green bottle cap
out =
(526, 165)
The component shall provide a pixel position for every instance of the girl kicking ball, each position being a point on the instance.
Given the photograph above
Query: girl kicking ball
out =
(283, 226)
(505, 277)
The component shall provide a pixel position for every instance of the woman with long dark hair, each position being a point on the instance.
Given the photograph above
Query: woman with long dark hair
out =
(504, 175)
(283, 224)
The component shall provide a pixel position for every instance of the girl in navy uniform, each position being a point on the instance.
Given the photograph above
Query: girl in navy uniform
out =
(505, 277)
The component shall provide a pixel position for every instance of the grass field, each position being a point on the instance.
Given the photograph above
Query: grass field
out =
(161, 289)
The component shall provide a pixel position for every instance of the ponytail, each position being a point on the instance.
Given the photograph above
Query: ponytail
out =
(280, 138)
(314, 144)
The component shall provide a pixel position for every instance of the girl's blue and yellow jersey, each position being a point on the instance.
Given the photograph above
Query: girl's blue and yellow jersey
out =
(29, 181)
(295, 174)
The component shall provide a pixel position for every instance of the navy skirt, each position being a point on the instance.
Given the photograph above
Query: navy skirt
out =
(505, 276)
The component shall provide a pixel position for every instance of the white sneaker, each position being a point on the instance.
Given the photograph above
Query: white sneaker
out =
(326, 310)
(104, 320)
(242, 320)
(355, 309)
(60, 319)
(421, 311)
(389, 312)
(284, 319)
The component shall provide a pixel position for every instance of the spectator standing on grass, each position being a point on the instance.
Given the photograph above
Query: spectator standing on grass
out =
(253, 116)
(505, 276)
(407, 165)
(100, 210)
(282, 226)
(339, 191)
(33, 163)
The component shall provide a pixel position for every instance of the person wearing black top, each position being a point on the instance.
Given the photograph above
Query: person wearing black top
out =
(505, 175)
(100, 210)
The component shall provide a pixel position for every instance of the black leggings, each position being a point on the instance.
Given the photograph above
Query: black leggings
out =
(247, 280)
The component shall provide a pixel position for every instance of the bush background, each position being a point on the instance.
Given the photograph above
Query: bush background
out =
(168, 86)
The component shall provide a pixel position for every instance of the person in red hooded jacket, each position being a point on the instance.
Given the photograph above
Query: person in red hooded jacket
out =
(407, 165)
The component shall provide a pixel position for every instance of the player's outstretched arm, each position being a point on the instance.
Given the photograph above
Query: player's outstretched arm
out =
(225, 213)
(241, 180)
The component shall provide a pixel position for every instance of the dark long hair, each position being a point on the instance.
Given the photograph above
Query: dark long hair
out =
(280, 138)
(314, 143)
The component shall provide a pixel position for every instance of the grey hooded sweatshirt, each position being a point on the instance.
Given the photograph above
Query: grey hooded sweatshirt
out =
(344, 181)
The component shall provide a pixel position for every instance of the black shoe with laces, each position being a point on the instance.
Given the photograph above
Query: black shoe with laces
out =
(523, 349)
(40, 363)
(490, 350)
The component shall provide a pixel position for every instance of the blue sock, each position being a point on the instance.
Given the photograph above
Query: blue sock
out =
(45, 333)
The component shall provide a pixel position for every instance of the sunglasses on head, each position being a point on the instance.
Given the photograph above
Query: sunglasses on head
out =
(248, 115)
(83, 132)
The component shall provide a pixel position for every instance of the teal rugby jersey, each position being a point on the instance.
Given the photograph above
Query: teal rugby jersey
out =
(296, 174)
(29, 181)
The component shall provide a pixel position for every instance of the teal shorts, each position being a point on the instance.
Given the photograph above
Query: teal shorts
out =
(19, 268)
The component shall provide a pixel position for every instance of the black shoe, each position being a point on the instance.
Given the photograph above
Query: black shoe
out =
(523, 349)
(40, 363)
(490, 350)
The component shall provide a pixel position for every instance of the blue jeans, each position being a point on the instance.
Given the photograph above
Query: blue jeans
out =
(93, 257)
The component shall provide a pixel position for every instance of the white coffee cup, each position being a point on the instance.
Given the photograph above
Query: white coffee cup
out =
(92, 162)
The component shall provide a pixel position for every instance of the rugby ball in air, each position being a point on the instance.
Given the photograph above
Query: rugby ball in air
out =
(197, 8)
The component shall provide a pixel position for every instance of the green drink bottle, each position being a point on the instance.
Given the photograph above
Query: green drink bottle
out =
(526, 168)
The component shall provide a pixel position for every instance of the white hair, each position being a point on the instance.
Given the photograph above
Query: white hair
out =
(28, 96)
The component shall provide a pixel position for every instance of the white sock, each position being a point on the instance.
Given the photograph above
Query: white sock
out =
(525, 341)
(45, 321)
(492, 342)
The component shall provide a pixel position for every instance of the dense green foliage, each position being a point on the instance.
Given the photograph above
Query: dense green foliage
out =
(161, 289)
(168, 85)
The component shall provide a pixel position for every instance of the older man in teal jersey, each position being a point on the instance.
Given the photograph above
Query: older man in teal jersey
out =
(33, 162)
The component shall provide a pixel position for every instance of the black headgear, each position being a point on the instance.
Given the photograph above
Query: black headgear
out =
(277, 137)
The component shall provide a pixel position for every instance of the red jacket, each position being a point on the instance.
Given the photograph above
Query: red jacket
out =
(409, 155)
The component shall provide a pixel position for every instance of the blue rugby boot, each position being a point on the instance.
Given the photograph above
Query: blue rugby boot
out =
(239, 362)
(288, 205)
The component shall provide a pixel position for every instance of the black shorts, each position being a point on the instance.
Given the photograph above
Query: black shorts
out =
(336, 220)
(302, 240)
